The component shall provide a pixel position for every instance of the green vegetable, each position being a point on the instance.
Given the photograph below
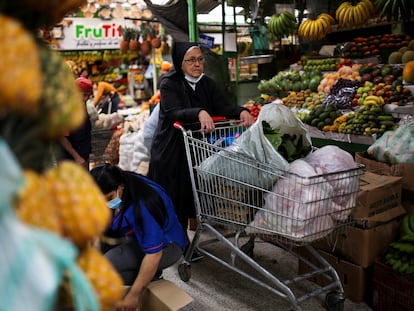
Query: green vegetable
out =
(273, 135)
(289, 146)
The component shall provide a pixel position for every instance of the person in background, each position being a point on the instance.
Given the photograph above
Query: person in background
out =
(106, 90)
(77, 145)
(144, 217)
(188, 96)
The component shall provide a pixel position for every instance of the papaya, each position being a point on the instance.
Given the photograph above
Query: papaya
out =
(408, 72)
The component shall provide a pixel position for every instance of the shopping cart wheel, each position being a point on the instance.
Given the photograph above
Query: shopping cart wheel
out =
(334, 301)
(184, 271)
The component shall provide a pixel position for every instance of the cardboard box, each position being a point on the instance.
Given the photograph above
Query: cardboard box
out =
(361, 246)
(355, 279)
(405, 170)
(379, 200)
(164, 295)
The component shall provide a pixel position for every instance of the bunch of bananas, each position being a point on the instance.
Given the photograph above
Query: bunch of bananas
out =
(400, 255)
(373, 100)
(316, 29)
(395, 9)
(282, 24)
(355, 15)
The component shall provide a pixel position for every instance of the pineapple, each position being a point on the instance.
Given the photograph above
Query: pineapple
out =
(34, 204)
(126, 37)
(82, 207)
(102, 276)
(21, 76)
(61, 106)
(134, 44)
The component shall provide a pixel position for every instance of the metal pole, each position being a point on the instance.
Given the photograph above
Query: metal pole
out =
(192, 21)
(154, 72)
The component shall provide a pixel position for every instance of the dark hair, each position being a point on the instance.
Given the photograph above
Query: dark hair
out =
(136, 190)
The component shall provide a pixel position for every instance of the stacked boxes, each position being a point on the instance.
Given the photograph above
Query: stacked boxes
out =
(405, 170)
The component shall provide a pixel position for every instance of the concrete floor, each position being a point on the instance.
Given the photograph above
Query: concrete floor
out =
(215, 287)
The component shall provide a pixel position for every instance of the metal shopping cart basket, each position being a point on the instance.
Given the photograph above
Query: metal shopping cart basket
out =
(239, 198)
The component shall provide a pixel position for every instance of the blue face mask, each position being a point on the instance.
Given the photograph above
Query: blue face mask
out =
(114, 203)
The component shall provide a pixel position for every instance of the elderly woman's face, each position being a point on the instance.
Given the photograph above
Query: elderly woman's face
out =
(193, 63)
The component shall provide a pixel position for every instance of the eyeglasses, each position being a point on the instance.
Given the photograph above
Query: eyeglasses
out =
(194, 60)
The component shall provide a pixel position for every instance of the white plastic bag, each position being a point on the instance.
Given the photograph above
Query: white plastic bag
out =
(253, 146)
(283, 118)
(296, 202)
(394, 147)
(332, 159)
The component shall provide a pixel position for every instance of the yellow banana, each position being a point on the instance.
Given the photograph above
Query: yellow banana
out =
(356, 16)
(314, 30)
(325, 24)
(373, 97)
(329, 18)
(348, 15)
(364, 11)
(341, 10)
(302, 27)
(308, 28)
(370, 103)
(370, 6)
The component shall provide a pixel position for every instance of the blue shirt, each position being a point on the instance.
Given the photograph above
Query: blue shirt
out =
(152, 237)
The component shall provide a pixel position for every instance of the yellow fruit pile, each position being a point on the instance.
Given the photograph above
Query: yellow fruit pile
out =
(65, 200)
(39, 102)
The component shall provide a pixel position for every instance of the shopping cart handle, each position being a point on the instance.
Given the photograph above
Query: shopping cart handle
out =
(179, 124)
(217, 119)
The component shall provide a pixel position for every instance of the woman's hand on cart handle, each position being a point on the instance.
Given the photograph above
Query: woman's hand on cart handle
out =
(206, 121)
(246, 119)
(179, 125)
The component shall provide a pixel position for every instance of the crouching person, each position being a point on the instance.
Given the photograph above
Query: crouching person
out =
(144, 219)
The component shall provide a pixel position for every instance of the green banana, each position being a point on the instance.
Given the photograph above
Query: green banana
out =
(395, 11)
(406, 227)
(411, 221)
(405, 247)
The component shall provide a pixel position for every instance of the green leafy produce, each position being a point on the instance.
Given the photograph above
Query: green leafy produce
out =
(273, 135)
(289, 146)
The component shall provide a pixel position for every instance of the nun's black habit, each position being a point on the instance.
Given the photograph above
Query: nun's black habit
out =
(179, 102)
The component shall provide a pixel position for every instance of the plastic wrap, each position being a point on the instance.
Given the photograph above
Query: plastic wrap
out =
(297, 203)
(394, 147)
(332, 159)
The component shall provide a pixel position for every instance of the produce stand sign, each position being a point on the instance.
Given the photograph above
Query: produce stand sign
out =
(92, 33)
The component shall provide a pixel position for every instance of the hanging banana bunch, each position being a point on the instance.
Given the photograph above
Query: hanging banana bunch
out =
(395, 9)
(316, 29)
(355, 15)
(282, 24)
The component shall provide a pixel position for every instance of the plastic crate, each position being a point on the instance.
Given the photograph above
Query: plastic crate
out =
(391, 290)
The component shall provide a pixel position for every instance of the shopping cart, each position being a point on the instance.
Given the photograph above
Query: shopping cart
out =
(232, 207)
(102, 151)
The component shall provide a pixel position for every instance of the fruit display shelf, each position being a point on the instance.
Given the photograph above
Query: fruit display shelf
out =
(342, 137)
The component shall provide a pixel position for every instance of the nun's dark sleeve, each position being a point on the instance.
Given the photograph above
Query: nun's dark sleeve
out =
(220, 104)
(175, 105)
